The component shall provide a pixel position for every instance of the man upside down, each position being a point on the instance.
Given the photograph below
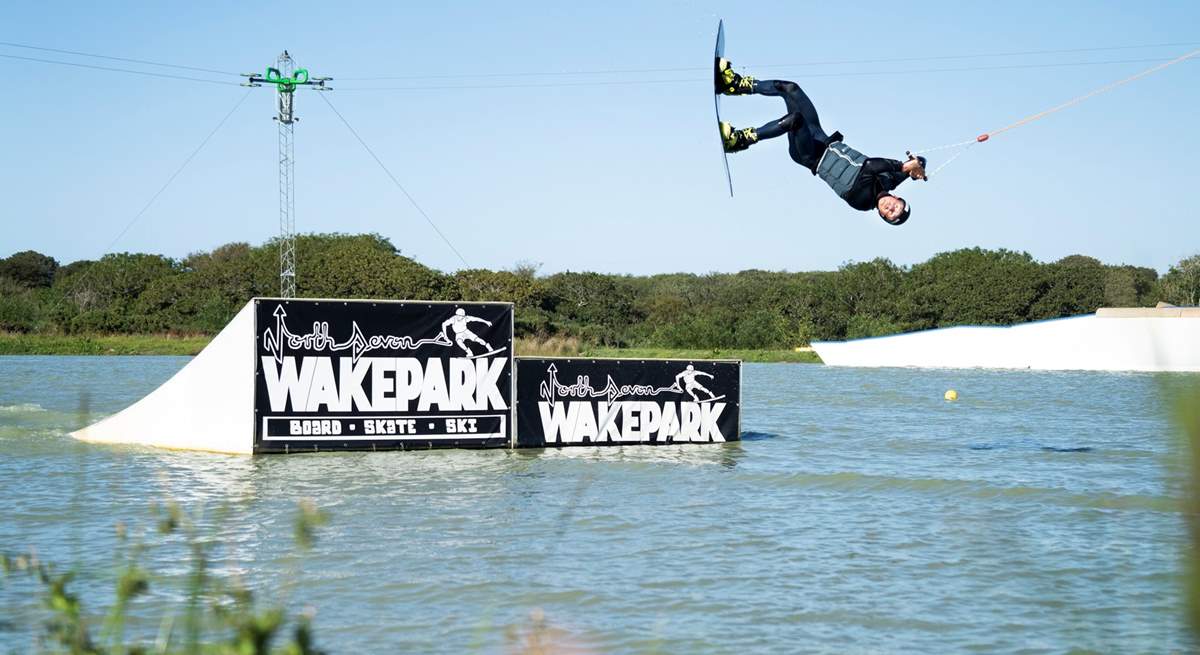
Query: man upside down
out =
(865, 183)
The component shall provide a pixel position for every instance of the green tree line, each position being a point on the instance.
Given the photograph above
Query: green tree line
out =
(130, 293)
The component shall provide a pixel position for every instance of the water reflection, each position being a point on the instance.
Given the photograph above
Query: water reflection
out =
(721, 454)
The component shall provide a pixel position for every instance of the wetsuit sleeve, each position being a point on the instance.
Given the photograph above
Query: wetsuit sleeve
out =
(886, 174)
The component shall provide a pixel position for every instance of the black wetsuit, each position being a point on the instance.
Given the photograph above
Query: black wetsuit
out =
(807, 142)
(878, 176)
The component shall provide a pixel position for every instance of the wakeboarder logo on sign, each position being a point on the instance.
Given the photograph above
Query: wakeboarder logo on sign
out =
(463, 335)
(318, 339)
(662, 402)
(375, 388)
(551, 387)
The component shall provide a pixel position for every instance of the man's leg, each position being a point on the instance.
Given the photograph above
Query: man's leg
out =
(460, 339)
(806, 139)
(803, 148)
(475, 337)
(797, 102)
(706, 390)
(780, 126)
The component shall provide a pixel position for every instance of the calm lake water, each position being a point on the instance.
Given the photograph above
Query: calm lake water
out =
(862, 513)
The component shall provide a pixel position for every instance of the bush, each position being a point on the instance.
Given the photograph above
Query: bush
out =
(29, 268)
(1076, 285)
(751, 309)
(761, 329)
(1181, 284)
(19, 309)
(974, 286)
(1130, 286)
(866, 325)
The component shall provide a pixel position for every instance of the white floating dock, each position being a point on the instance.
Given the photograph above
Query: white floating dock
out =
(1112, 339)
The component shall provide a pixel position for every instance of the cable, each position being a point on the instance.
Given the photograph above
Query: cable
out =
(394, 180)
(993, 68)
(695, 80)
(179, 170)
(956, 155)
(618, 71)
(132, 61)
(119, 70)
(1057, 108)
(601, 72)
(1103, 89)
(532, 85)
(981, 56)
(87, 271)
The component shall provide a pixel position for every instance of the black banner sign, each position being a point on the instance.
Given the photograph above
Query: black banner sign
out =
(366, 375)
(589, 402)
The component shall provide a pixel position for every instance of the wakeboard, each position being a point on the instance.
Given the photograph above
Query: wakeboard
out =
(719, 52)
(487, 354)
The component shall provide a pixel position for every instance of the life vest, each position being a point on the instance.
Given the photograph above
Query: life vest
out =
(840, 167)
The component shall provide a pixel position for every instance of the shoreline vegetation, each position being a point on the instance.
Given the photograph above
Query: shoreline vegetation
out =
(141, 303)
(14, 343)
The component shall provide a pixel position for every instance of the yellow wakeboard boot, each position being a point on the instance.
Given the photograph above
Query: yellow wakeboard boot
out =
(728, 82)
(735, 140)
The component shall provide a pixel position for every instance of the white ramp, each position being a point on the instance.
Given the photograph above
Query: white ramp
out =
(207, 405)
(1111, 340)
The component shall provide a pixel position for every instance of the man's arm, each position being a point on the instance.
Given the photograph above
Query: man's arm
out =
(887, 173)
(914, 167)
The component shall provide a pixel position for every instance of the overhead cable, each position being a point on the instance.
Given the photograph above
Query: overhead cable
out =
(629, 71)
(120, 70)
(1057, 108)
(411, 200)
(87, 271)
(892, 73)
(112, 58)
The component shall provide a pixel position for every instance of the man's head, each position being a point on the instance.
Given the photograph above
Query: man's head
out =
(892, 209)
(460, 312)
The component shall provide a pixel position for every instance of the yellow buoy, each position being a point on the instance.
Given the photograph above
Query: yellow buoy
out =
(951, 395)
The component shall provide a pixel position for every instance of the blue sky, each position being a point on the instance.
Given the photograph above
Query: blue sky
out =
(607, 172)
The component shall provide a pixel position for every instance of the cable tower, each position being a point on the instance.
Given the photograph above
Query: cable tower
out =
(286, 77)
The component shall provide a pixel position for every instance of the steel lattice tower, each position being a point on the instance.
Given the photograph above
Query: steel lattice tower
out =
(286, 77)
(287, 178)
